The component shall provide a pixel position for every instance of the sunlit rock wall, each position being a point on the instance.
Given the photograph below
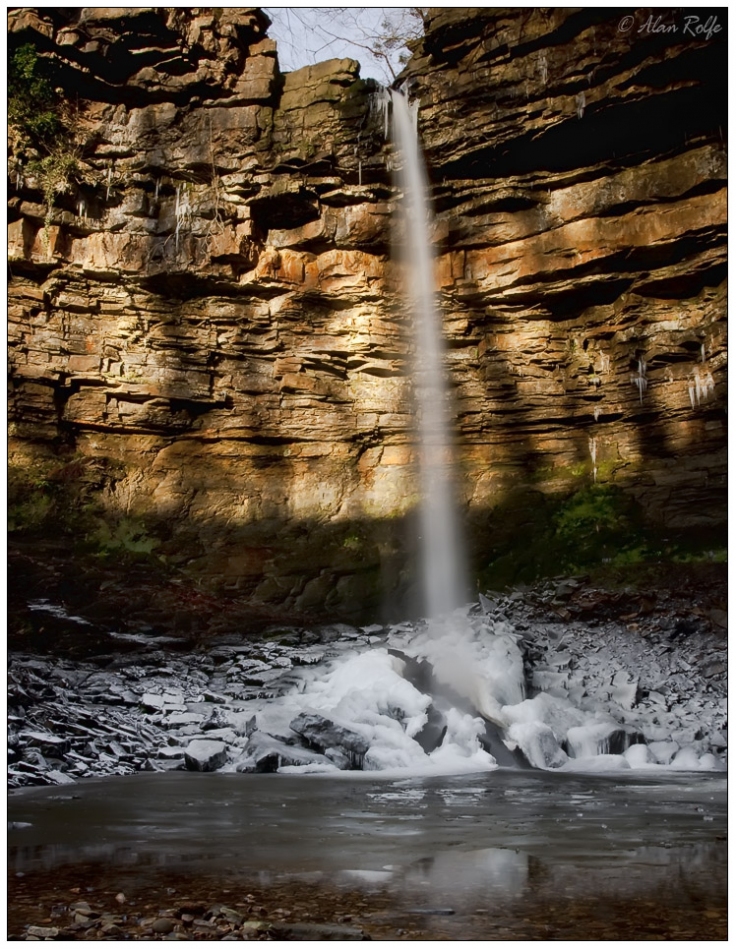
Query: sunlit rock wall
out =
(210, 318)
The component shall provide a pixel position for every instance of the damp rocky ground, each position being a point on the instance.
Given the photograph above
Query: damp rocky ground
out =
(81, 905)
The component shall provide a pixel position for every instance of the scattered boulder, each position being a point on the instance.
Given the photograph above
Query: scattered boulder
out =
(671, 694)
(43, 932)
(683, 627)
(246, 729)
(58, 777)
(487, 605)
(218, 719)
(202, 754)
(151, 702)
(165, 764)
(321, 732)
(214, 697)
(492, 741)
(419, 672)
(48, 743)
(267, 754)
(539, 745)
(625, 690)
(178, 719)
(338, 758)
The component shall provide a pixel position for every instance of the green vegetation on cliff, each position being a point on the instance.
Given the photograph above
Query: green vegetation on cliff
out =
(61, 500)
(34, 110)
(41, 137)
(598, 529)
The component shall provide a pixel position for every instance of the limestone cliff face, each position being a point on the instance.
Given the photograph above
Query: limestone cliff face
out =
(209, 319)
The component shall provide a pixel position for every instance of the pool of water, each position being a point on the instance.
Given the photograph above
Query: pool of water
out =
(448, 839)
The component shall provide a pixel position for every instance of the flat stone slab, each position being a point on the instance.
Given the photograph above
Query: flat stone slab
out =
(313, 931)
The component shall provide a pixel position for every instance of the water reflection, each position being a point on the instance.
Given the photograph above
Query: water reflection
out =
(502, 872)
(497, 837)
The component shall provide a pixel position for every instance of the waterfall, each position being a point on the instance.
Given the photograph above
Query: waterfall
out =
(442, 560)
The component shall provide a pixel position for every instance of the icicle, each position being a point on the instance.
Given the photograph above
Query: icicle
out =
(158, 185)
(700, 387)
(543, 70)
(707, 385)
(580, 104)
(710, 384)
(81, 208)
(605, 362)
(109, 182)
(596, 413)
(702, 352)
(178, 217)
(360, 173)
(182, 212)
(380, 103)
(414, 108)
(593, 448)
(640, 380)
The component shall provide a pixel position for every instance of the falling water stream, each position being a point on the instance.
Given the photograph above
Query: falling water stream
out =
(442, 563)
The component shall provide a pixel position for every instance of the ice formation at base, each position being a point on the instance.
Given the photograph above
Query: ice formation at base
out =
(427, 701)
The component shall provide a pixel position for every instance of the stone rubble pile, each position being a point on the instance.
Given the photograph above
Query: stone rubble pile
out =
(649, 677)
(656, 673)
(153, 711)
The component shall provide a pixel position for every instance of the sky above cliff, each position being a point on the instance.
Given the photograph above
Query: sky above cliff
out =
(373, 36)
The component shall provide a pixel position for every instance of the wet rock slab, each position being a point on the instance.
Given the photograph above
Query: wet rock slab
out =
(325, 733)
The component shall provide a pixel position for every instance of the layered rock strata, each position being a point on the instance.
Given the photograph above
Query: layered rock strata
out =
(208, 325)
